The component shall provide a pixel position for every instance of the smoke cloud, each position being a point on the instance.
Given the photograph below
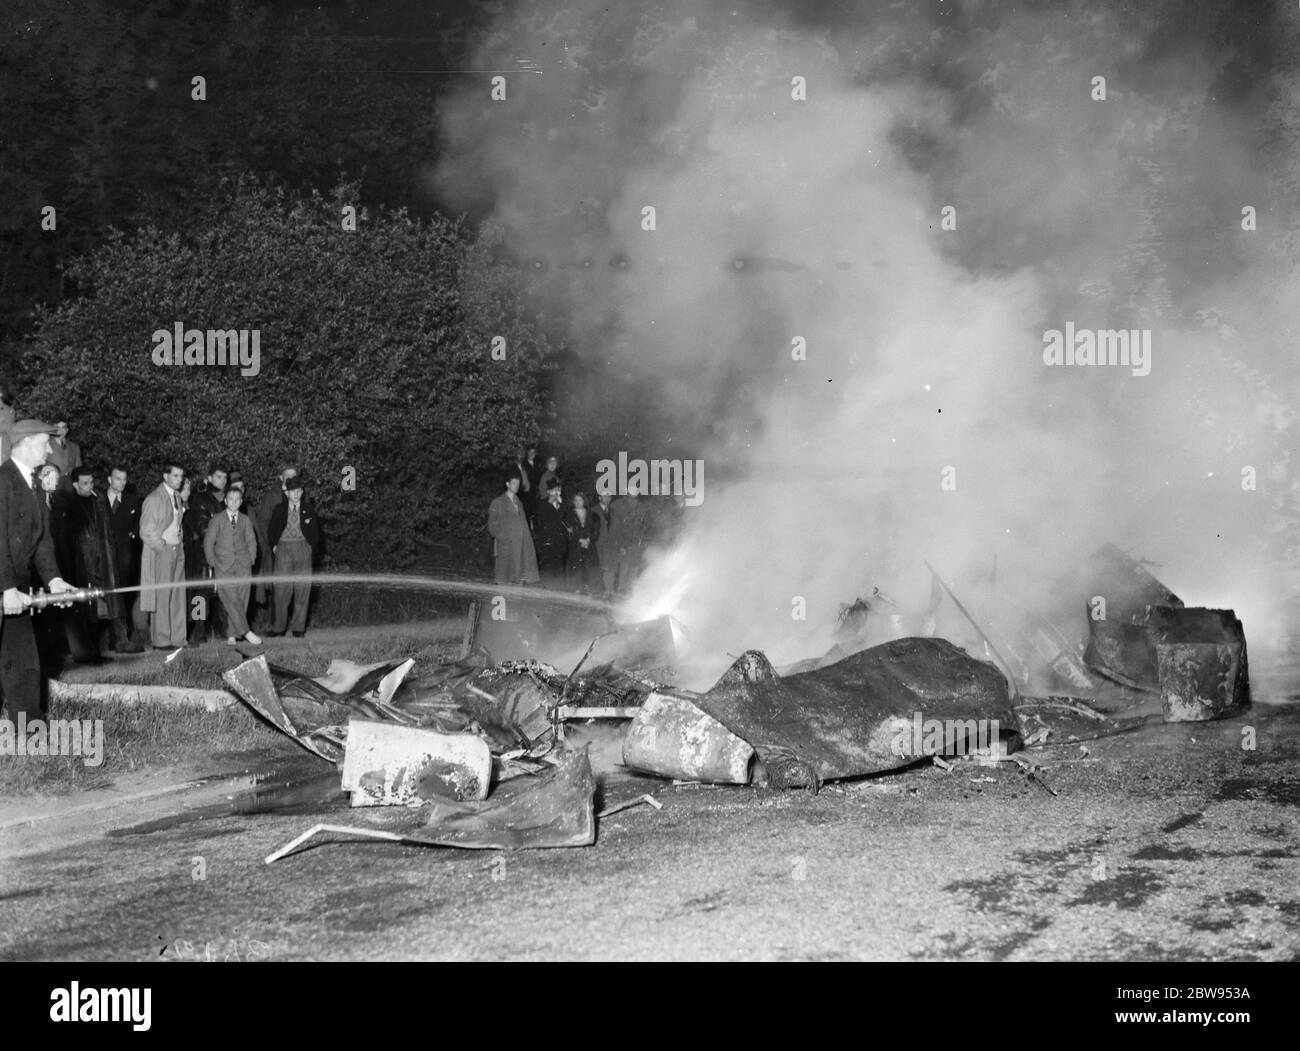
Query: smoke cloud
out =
(862, 371)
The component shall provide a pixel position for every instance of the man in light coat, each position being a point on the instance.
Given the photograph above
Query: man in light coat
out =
(8, 417)
(163, 560)
(512, 542)
(230, 546)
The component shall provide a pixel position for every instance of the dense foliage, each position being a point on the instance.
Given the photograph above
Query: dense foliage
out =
(375, 355)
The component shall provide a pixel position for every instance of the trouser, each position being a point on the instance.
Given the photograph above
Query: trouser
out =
(169, 603)
(81, 628)
(629, 566)
(140, 623)
(209, 619)
(608, 569)
(128, 574)
(119, 632)
(234, 597)
(292, 558)
(20, 667)
(584, 577)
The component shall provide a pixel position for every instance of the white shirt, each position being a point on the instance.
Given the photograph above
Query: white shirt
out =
(29, 475)
(172, 534)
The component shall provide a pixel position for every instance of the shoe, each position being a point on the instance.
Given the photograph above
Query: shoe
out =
(299, 634)
(252, 639)
(274, 634)
(230, 641)
(129, 647)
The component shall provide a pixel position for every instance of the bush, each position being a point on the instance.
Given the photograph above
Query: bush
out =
(375, 358)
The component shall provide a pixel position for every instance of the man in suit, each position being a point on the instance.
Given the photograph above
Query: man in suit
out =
(632, 534)
(530, 484)
(230, 546)
(206, 503)
(64, 454)
(295, 538)
(164, 560)
(25, 546)
(123, 514)
(75, 529)
(94, 564)
(606, 545)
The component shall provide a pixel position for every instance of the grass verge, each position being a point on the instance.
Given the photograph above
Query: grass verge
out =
(149, 736)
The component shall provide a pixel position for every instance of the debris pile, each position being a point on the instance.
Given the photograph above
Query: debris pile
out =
(473, 753)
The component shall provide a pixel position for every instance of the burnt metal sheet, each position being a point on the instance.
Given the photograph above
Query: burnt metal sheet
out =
(554, 809)
(1119, 646)
(1125, 584)
(1201, 656)
(251, 682)
(670, 736)
(1122, 652)
(386, 764)
(844, 720)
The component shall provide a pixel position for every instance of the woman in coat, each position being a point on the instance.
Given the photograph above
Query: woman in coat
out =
(584, 559)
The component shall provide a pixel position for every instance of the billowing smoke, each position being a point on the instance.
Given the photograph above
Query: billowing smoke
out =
(843, 296)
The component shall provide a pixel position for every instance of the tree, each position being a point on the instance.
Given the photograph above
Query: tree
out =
(376, 360)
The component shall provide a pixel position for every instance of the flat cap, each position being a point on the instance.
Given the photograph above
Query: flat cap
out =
(25, 428)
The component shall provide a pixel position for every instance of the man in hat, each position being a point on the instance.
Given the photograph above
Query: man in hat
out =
(551, 536)
(164, 560)
(25, 546)
(294, 536)
(261, 523)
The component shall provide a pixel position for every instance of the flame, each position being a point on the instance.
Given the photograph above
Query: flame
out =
(664, 585)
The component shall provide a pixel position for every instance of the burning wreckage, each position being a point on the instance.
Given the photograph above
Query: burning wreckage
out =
(473, 753)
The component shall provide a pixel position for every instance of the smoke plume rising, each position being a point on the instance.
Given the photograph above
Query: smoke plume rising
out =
(922, 423)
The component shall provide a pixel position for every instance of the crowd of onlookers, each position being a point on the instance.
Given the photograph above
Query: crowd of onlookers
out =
(206, 554)
(546, 529)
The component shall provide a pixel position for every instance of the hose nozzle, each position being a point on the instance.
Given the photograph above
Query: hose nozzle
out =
(41, 599)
